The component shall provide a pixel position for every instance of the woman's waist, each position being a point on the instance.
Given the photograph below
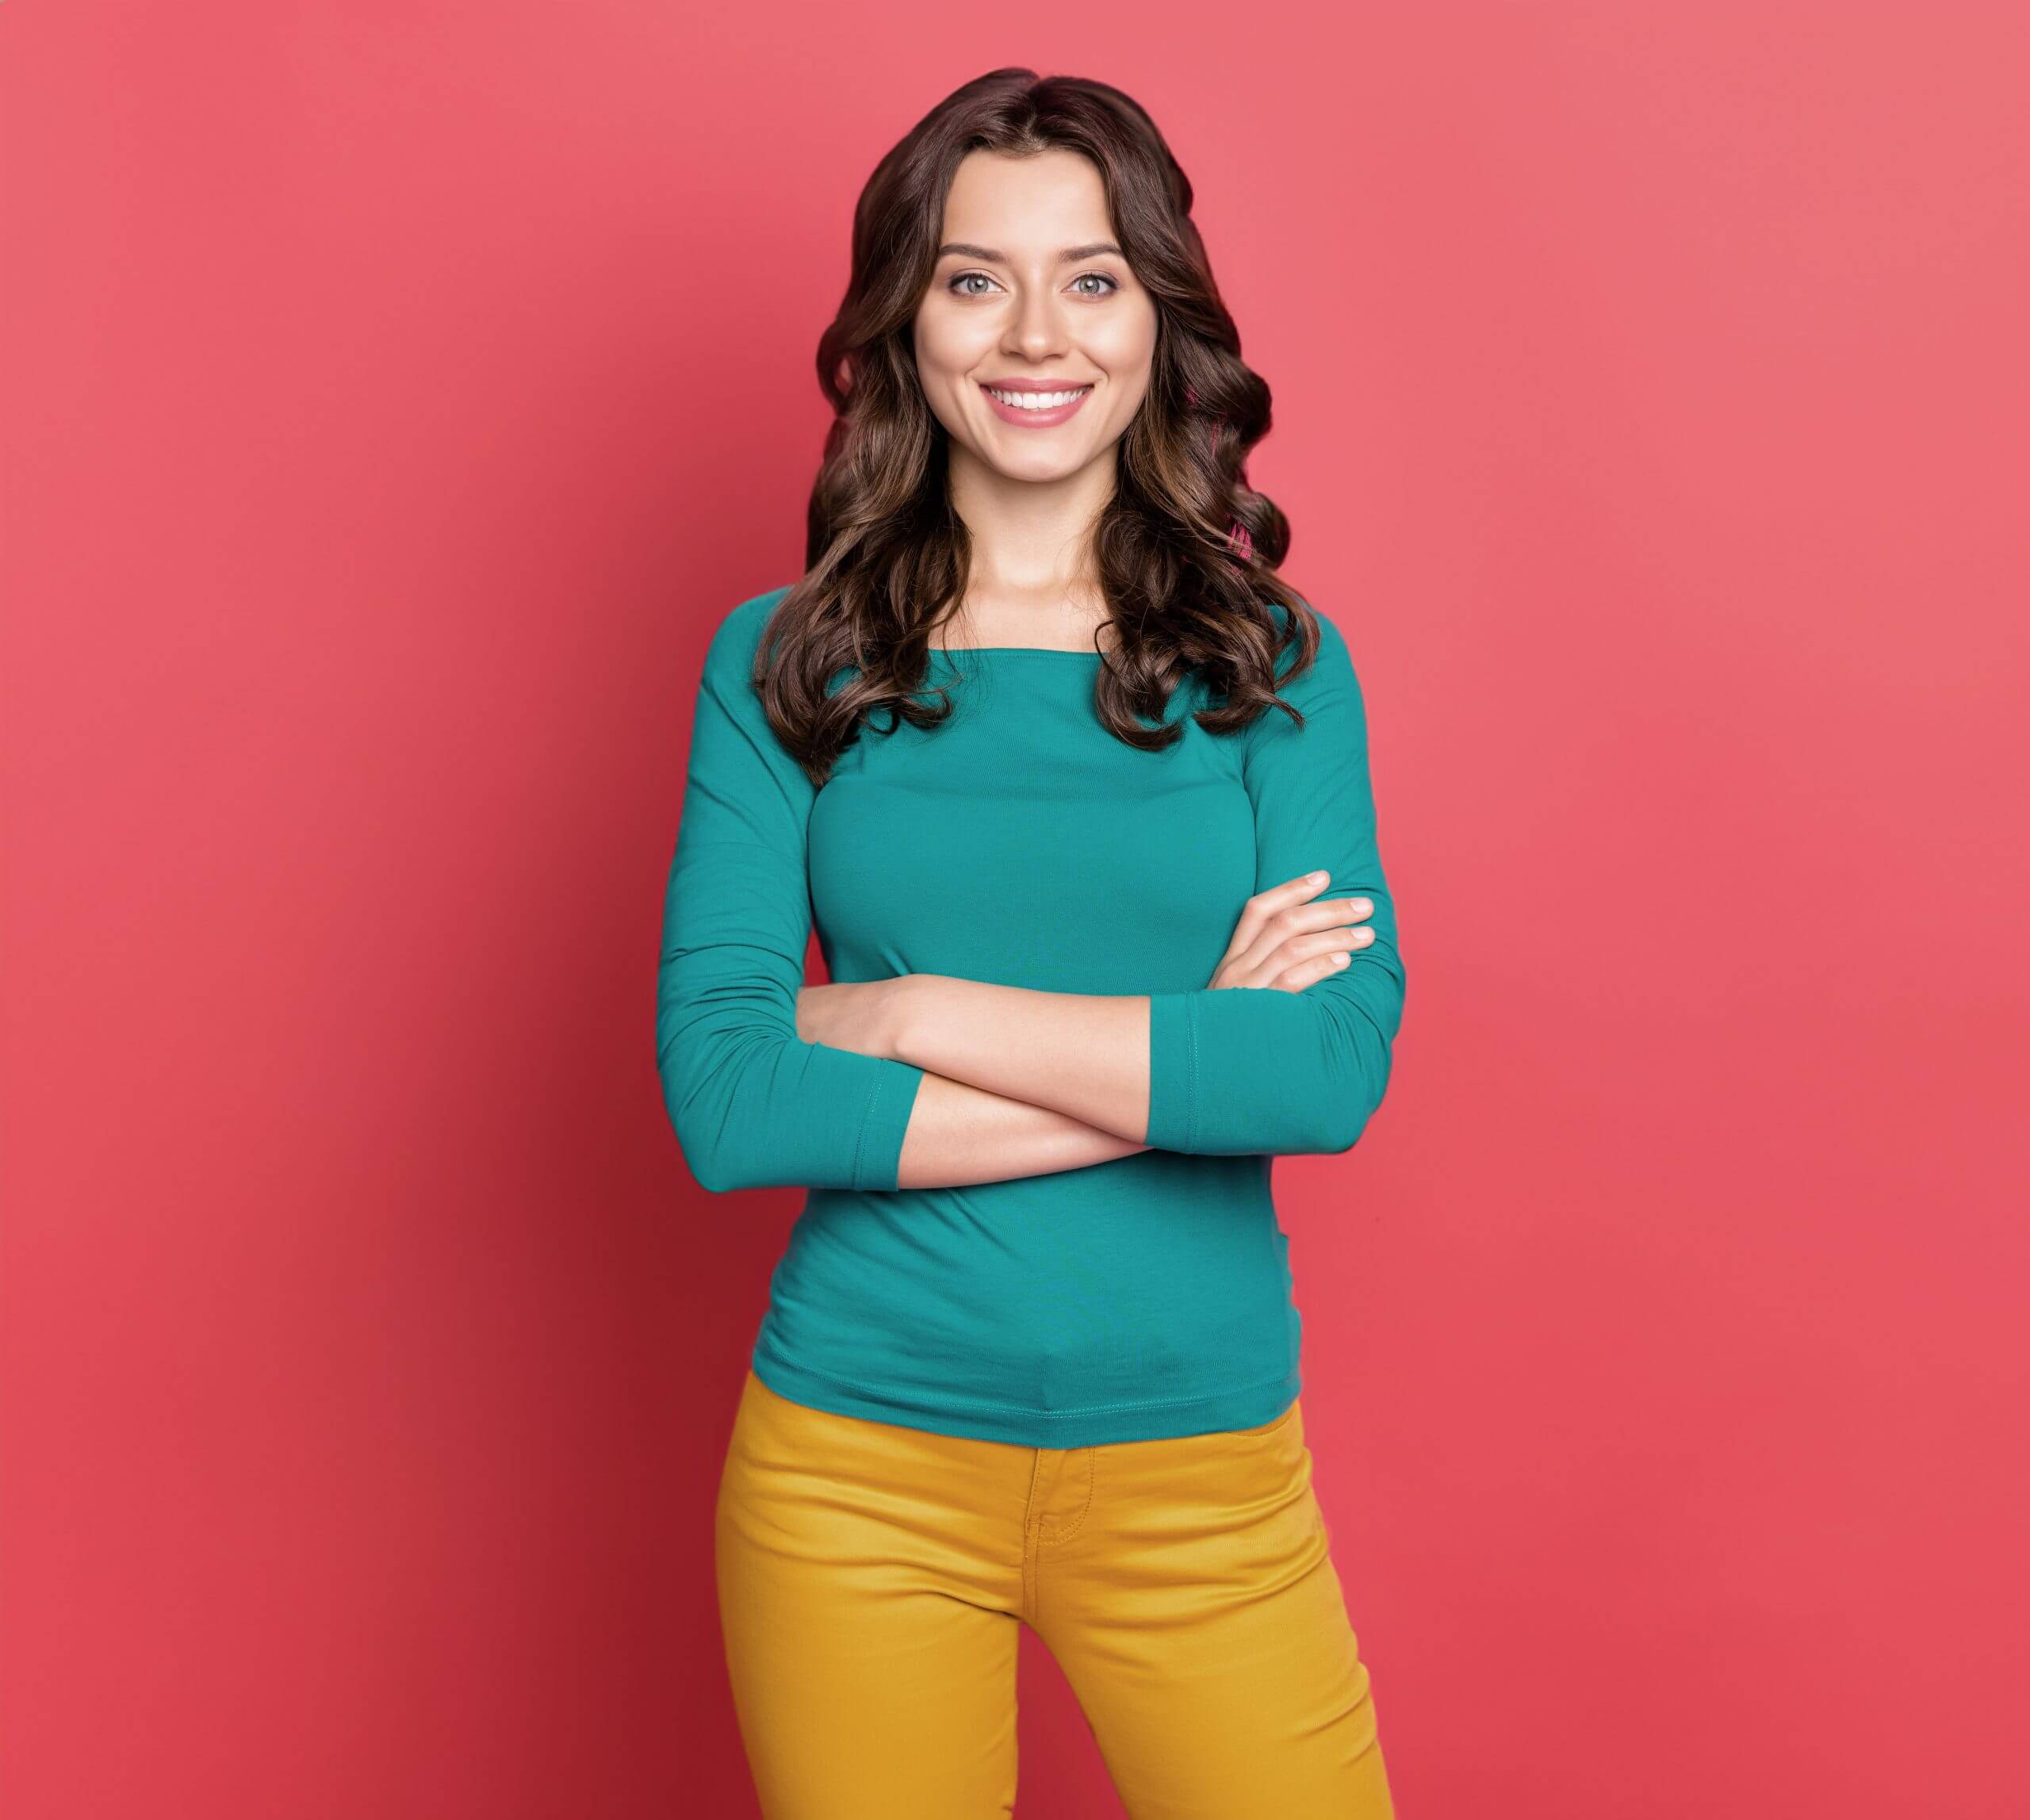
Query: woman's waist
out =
(1139, 1285)
(1154, 1236)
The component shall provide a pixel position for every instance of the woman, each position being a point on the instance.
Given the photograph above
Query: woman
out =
(1107, 931)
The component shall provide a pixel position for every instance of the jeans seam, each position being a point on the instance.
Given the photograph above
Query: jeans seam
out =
(1092, 1474)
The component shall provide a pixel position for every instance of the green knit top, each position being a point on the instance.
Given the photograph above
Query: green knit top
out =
(1149, 1296)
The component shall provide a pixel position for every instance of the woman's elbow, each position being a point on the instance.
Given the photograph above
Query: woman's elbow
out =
(1342, 1115)
(719, 1164)
(702, 1129)
(716, 1174)
(1340, 1128)
(737, 1103)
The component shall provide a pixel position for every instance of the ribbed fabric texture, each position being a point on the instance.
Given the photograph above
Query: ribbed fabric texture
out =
(1146, 1297)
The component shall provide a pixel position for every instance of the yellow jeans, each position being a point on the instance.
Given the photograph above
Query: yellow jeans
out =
(871, 1578)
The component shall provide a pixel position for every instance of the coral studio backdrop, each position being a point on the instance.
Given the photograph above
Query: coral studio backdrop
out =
(395, 397)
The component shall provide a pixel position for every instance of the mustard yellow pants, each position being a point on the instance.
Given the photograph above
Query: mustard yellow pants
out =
(871, 1579)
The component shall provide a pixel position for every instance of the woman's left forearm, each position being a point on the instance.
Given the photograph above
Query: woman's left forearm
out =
(1085, 1055)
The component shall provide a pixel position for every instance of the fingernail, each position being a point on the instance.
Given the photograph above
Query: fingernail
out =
(1318, 878)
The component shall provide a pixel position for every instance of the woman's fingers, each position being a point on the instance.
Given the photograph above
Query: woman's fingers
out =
(1309, 972)
(1326, 941)
(1323, 953)
(1332, 913)
(1282, 910)
(1301, 960)
(1293, 937)
(1278, 927)
(1257, 912)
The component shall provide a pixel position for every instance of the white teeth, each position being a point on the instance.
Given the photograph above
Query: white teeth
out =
(1037, 400)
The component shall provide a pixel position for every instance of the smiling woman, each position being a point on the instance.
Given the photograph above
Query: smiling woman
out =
(1059, 768)
(1038, 323)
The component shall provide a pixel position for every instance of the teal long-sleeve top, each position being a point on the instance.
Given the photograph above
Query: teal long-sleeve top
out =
(1144, 1297)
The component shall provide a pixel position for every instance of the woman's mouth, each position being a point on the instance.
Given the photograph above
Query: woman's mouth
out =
(1036, 410)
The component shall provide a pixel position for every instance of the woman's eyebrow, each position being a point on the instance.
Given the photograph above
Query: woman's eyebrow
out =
(968, 250)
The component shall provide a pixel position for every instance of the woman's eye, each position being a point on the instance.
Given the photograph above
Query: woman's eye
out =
(958, 285)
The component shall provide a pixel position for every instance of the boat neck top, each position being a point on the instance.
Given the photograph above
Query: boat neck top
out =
(1011, 651)
(1021, 842)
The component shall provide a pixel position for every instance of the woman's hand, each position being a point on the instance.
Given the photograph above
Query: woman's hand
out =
(1286, 942)
(858, 1015)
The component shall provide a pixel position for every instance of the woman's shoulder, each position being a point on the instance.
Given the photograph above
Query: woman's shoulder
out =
(1333, 652)
(737, 635)
(746, 619)
(1329, 672)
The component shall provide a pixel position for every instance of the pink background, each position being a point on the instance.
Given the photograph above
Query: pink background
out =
(397, 395)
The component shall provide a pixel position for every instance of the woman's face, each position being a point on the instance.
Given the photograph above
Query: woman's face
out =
(1030, 293)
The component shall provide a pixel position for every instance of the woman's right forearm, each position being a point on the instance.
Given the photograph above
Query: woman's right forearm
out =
(960, 1134)
(1085, 1055)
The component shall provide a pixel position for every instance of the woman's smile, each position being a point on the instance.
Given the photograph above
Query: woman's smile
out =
(1027, 404)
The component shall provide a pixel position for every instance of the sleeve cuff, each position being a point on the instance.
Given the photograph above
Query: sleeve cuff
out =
(878, 1157)
(1172, 1070)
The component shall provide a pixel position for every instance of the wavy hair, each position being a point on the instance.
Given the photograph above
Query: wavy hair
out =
(1185, 552)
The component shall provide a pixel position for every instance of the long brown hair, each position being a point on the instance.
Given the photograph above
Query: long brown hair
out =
(1185, 551)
